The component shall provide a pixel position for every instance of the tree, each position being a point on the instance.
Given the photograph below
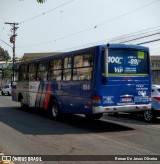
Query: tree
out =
(41, 1)
(4, 55)
(7, 71)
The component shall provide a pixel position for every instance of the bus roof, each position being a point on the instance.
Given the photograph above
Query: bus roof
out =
(112, 46)
(128, 46)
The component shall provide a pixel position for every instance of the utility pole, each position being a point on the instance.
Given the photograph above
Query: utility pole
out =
(12, 40)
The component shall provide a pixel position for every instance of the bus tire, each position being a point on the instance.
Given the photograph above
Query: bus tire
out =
(21, 100)
(149, 116)
(22, 103)
(54, 110)
(94, 116)
(113, 114)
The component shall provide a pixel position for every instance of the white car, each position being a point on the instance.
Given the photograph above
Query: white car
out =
(150, 115)
(7, 90)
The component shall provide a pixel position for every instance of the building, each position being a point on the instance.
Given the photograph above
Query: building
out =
(30, 56)
(155, 64)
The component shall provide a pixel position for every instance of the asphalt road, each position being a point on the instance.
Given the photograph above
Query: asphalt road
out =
(33, 133)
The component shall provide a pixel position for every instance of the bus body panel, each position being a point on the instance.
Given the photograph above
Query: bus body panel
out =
(121, 93)
(129, 93)
(79, 101)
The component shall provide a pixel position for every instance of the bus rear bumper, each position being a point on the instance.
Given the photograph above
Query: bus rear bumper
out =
(126, 108)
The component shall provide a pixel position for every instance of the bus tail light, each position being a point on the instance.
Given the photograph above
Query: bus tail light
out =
(96, 99)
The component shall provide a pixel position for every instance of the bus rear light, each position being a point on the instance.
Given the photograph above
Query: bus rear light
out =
(107, 108)
(96, 99)
(144, 107)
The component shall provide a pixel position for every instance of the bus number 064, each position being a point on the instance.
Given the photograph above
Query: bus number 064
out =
(86, 87)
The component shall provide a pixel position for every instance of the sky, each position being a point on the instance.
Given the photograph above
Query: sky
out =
(67, 25)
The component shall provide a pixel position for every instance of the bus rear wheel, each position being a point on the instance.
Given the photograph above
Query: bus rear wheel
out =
(22, 103)
(149, 116)
(54, 110)
(23, 106)
(113, 114)
(94, 116)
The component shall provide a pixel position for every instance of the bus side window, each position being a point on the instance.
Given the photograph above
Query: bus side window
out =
(32, 71)
(23, 75)
(55, 69)
(67, 69)
(83, 67)
(42, 71)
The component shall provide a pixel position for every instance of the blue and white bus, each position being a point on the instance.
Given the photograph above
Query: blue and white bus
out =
(92, 81)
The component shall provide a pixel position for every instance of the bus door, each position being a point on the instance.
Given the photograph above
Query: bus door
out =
(33, 90)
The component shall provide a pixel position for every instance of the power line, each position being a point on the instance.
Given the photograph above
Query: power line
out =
(140, 37)
(46, 12)
(5, 43)
(108, 21)
(2, 30)
(127, 13)
(134, 34)
(148, 41)
(155, 44)
(90, 28)
(106, 40)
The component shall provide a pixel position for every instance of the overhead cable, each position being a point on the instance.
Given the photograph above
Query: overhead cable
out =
(140, 37)
(45, 12)
(148, 41)
(6, 43)
(92, 27)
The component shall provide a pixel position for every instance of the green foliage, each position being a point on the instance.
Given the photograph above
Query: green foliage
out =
(4, 55)
(7, 71)
(41, 1)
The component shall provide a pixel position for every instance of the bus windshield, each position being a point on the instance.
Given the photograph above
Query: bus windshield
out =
(127, 63)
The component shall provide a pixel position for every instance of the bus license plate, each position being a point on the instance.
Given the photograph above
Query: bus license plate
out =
(126, 99)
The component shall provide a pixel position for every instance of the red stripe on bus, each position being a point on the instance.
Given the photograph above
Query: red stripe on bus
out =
(47, 97)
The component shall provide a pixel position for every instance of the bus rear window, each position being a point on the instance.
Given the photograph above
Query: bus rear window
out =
(127, 63)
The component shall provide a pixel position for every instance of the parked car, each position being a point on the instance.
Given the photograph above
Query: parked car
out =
(150, 115)
(7, 90)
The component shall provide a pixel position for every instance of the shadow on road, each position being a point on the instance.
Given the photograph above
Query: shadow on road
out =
(130, 118)
(37, 123)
